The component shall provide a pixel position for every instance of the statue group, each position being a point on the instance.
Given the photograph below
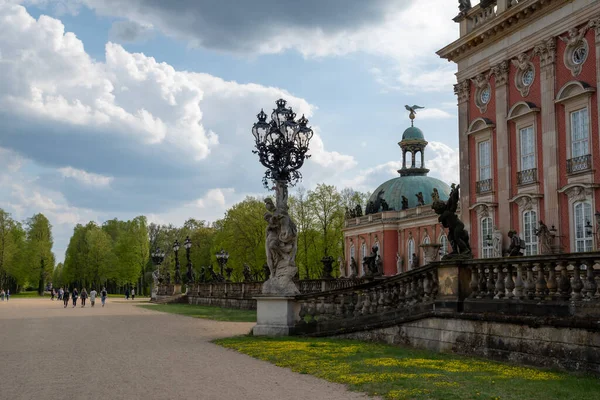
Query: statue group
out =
(457, 235)
(281, 245)
(372, 264)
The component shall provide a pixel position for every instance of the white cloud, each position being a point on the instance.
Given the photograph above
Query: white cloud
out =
(85, 177)
(444, 164)
(214, 197)
(433, 113)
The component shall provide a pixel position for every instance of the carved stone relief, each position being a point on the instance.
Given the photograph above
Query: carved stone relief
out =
(525, 75)
(546, 51)
(500, 72)
(462, 90)
(577, 49)
(483, 91)
(578, 193)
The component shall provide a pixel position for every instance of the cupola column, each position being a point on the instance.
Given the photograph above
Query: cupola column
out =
(412, 159)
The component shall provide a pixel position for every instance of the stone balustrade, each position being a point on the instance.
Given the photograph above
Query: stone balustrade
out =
(553, 286)
(408, 293)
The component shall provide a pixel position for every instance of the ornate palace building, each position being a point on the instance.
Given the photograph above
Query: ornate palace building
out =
(528, 73)
(398, 218)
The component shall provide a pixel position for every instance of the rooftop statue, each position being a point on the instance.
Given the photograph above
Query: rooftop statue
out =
(420, 200)
(413, 112)
(458, 236)
(464, 5)
(404, 203)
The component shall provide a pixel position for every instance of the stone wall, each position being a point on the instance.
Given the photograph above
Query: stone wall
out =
(573, 349)
(243, 304)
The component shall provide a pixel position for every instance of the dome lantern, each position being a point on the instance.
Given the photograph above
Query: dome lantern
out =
(413, 142)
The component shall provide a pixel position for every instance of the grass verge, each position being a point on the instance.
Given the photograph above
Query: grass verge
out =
(394, 372)
(206, 312)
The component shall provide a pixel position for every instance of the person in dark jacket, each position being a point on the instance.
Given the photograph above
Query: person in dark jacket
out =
(74, 296)
(84, 296)
(65, 296)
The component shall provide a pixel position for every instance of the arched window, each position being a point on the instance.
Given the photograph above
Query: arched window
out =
(487, 247)
(411, 251)
(583, 233)
(352, 254)
(378, 247)
(426, 240)
(529, 226)
(444, 243)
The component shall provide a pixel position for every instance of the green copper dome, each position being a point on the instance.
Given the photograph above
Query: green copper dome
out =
(409, 186)
(413, 133)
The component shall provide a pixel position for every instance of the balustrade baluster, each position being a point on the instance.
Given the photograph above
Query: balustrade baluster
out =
(427, 287)
(590, 280)
(340, 306)
(500, 282)
(401, 294)
(351, 306)
(359, 304)
(435, 284)
(576, 284)
(395, 294)
(564, 283)
(529, 284)
(509, 283)
(491, 284)
(302, 313)
(552, 284)
(474, 284)
(519, 283)
(420, 290)
(387, 298)
(366, 306)
(540, 283)
(328, 307)
(482, 282)
(374, 301)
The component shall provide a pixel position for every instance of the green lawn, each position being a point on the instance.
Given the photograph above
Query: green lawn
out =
(206, 312)
(28, 294)
(403, 373)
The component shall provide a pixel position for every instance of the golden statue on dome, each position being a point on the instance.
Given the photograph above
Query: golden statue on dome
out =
(413, 113)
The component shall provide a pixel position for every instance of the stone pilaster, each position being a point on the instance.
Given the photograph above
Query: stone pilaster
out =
(502, 157)
(546, 51)
(462, 90)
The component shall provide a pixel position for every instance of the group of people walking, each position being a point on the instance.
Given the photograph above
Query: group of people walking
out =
(65, 295)
(4, 294)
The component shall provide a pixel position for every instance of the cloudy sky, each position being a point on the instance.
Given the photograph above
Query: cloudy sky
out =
(116, 108)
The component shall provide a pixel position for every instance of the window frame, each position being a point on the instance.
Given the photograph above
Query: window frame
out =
(444, 242)
(531, 130)
(410, 247)
(529, 229)
(585, 239)
(587, 138)
(487, 250)
(481, 167)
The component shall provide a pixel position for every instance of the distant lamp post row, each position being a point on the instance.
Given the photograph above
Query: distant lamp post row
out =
(222, 257)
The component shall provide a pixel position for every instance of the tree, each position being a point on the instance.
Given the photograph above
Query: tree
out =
(325, 202)
(39, 246)
(302, 213)
(13, 272)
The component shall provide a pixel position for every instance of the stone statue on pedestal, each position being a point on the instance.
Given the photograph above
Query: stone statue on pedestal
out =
(341, 267)
(497, 243)
(247, 274)
(281, 245)
(404, 203)
(420, 200)
(458, 236)
(353, 268)
(370, 263)
(545, 238)
(399, 262)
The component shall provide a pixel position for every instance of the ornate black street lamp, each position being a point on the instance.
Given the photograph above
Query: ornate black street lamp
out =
(222, 257)
(281, 145)
(190, 271)
(177, 266)
(158, 257)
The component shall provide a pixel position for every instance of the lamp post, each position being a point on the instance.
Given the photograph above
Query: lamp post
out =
(190, 271)
(281, 145)
(222, 257)
(177, 286)
(158, 257)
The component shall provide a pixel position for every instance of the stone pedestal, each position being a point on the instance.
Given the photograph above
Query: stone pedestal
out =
(276, 316)
(177, 288)
(154, 293)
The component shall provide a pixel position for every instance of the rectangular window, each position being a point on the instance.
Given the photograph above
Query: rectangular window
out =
(487, 247)
(583, 229)
(579, 133)
(527, 148)
(531, 239)
(485, 170)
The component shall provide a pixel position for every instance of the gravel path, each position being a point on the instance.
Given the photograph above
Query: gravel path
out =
(126, 352)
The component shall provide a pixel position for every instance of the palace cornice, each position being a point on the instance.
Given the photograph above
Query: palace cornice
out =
(508, 21)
